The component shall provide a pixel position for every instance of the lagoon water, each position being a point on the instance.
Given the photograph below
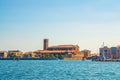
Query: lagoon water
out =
(58, 70)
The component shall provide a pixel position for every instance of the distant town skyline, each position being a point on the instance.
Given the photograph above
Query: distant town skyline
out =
(25, 23)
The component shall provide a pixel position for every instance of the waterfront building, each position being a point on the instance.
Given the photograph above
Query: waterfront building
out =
(52, 54)
(105, 53)
(87, 53)
(3, 54)
(110, 53)
(69, 48)
(29, 55)
(14, 54)
(77, 56)
(58, 51)
(118, 52)
(113, 52)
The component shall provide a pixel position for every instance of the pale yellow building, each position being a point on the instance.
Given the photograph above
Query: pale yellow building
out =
(15, 53)
(3, 54)
(29, 55)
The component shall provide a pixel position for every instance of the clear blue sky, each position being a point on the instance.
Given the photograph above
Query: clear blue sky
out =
(25, 23)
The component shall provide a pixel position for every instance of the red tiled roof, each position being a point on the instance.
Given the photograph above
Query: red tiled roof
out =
(63, 46)
(54, 51)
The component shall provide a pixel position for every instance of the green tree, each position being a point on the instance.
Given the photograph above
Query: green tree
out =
(13, 55)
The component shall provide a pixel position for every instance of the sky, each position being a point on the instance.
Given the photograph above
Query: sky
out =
(87, 23)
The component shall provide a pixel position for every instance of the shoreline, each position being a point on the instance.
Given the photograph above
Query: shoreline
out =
(27, 59)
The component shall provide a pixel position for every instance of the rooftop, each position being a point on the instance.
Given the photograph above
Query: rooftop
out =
(63, 46)
(47, 51)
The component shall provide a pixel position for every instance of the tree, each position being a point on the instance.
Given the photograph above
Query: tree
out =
(13, 55)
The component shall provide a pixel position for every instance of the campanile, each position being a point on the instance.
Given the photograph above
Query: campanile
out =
(45, 45)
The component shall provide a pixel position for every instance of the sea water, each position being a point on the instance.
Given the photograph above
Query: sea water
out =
(58, 70)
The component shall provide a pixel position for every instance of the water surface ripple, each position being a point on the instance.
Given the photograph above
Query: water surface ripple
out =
(58, 70)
